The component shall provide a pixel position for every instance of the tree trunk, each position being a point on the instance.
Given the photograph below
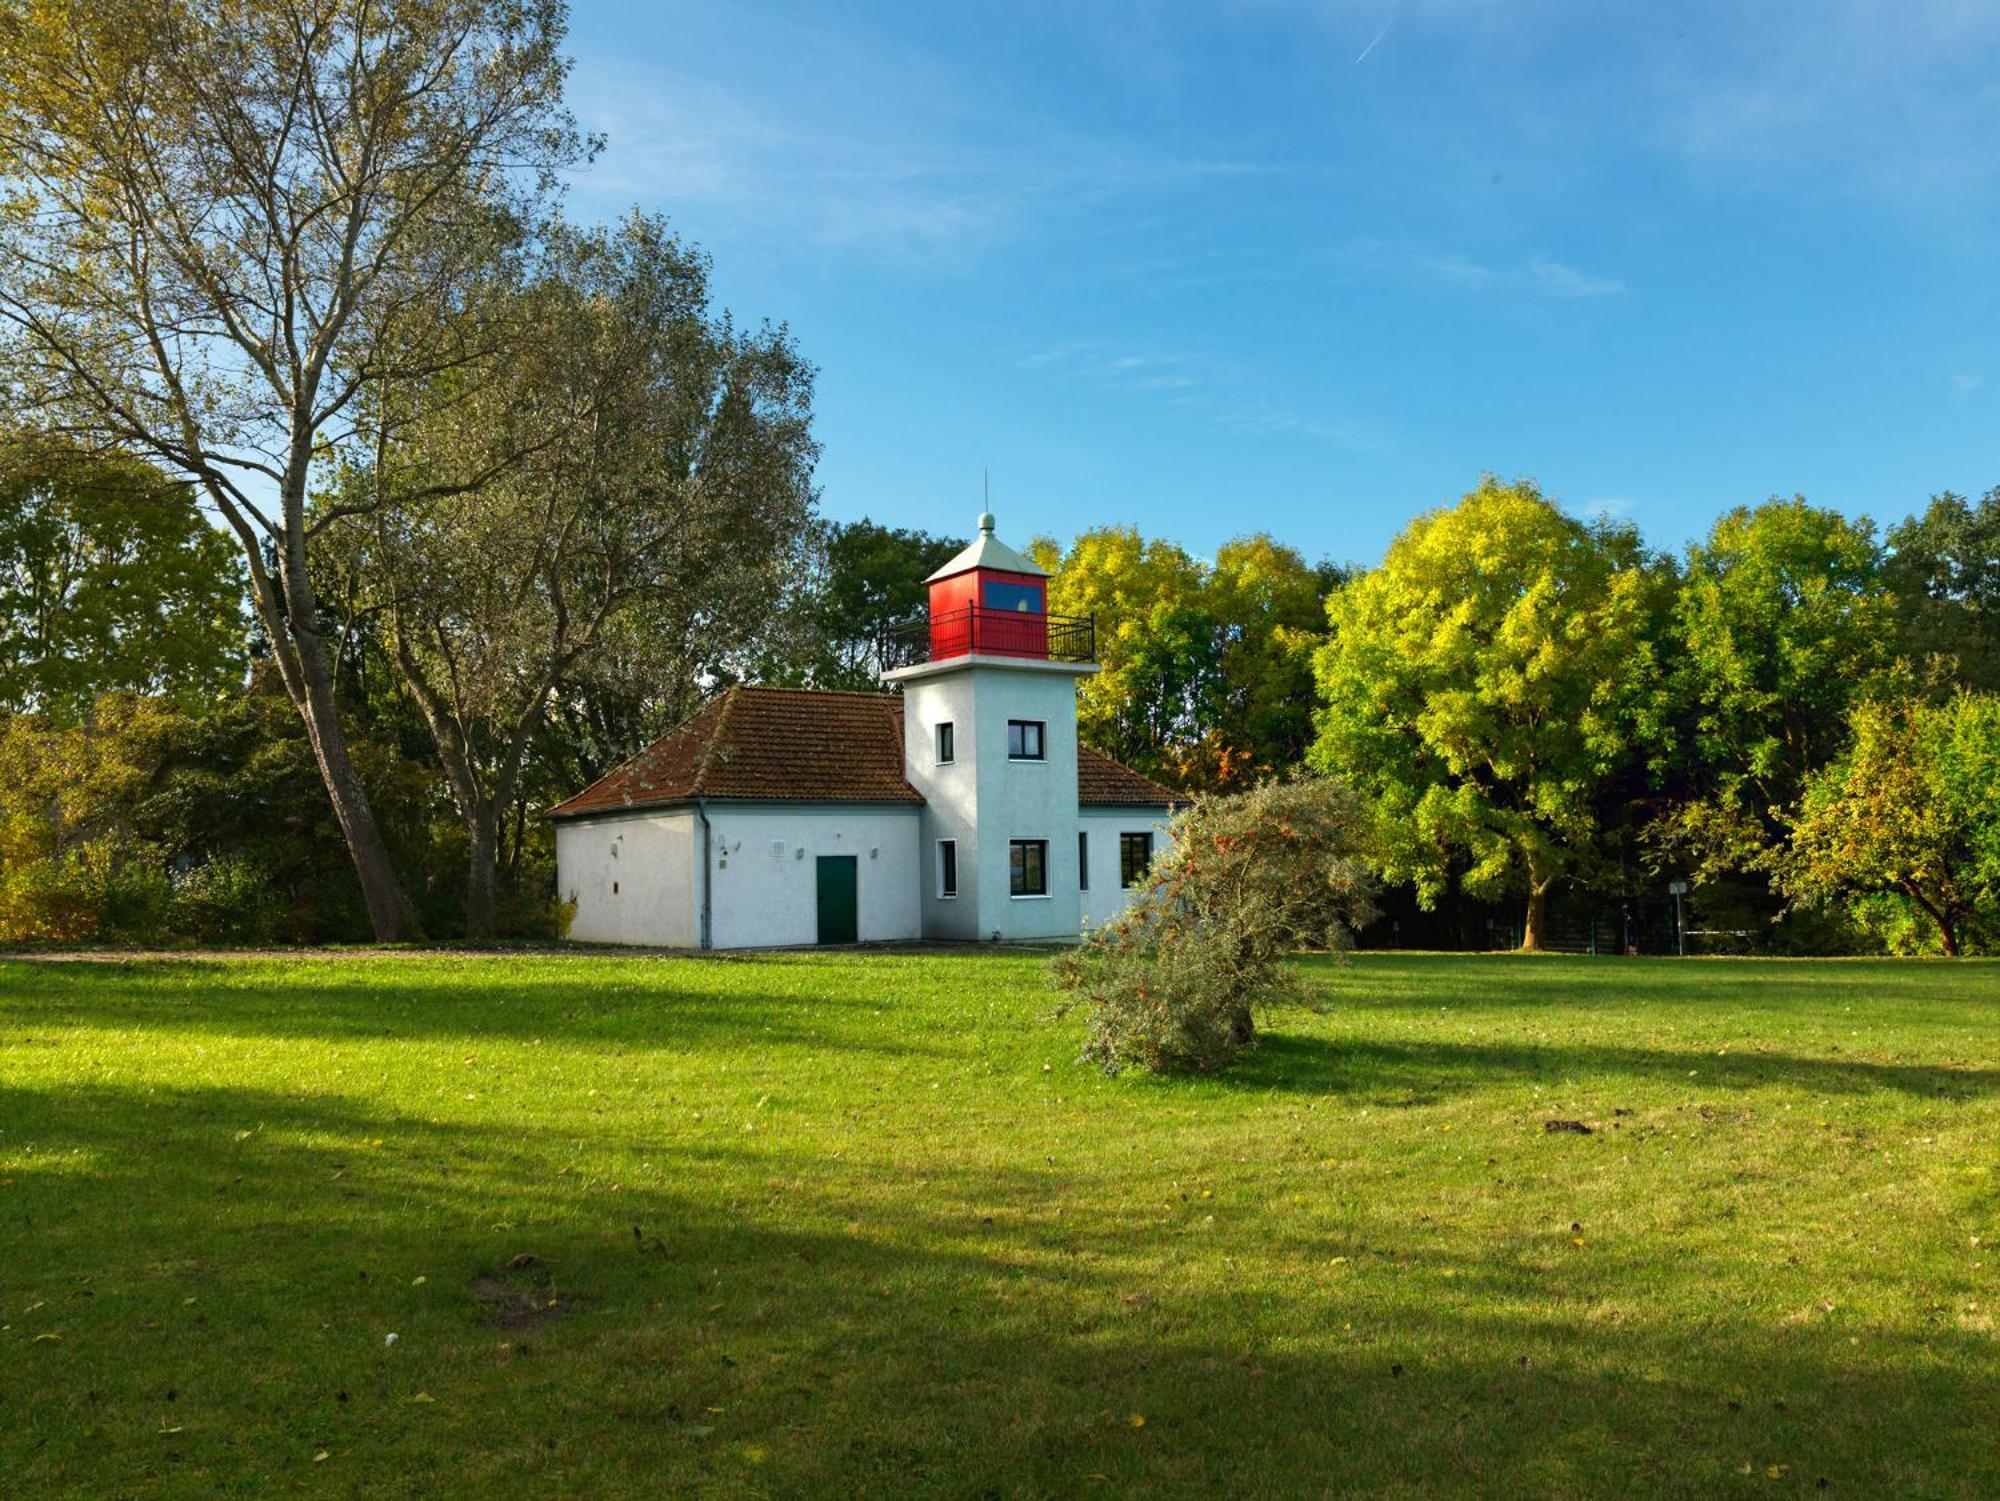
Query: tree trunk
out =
(481, 873)
(1948, 935)
(389, 911)
(1534, 936)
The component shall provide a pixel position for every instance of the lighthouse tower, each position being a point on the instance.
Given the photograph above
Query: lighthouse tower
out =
(989, 725)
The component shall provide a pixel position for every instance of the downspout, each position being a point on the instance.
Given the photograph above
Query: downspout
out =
(707, 876)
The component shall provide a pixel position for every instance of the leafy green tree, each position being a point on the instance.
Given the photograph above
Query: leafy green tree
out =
(867, 578)
(110, 581)
(1177, 980)
(1154, 648)
(1944, 567)
(665, 467)
(1484, 686)
(1204, 674)
(1911, 814)
(1781, 620)
(239, 231)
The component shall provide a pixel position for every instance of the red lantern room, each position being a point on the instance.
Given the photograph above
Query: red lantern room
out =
(989, 600)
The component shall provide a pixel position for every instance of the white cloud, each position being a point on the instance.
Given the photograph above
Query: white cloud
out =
(1538, 276)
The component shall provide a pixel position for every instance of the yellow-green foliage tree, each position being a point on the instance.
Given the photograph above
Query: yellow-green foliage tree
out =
(1205, 669)
(1906, 824)
(1781, 620)
(1483, 686)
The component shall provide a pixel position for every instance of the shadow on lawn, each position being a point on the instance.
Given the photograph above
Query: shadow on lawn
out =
(651, 1003)
(1390, 1071)
(987, 1333)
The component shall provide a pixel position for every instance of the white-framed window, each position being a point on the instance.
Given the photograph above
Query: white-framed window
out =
(946, 747)
(947, 869)
(1083, 859)
(1027, 867)
(1135, 857)
(1026, 739)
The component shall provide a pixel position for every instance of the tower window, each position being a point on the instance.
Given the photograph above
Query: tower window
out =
(1024, 739)
(947, 867)
(1083, 860)
(1022, 599)
(1135, 857)
(1028, 867)
(944, 742)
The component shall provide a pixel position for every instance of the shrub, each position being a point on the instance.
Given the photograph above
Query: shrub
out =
(1175, 983)
(93, 893)
(228, 900)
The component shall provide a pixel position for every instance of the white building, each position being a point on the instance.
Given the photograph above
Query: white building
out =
(964, 807)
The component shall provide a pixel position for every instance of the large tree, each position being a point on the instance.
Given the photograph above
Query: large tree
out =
(1781, 621)
(865, 578)
(1944, 567)
(1484, 685)
(668, 472)
(1205, 668)
(1910, 813)
(110, 581)
(234, 228)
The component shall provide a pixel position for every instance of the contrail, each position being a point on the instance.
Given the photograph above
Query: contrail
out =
(1380, 34)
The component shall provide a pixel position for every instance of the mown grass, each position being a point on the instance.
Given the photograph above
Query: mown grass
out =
(858, 1224)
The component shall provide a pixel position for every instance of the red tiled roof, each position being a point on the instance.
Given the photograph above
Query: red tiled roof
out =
(807, 746)
(1099, 779)
(789, 744)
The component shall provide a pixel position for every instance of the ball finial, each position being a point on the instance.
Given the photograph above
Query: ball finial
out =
(986, 522)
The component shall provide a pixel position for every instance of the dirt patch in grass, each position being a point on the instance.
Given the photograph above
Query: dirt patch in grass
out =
(521, 1295)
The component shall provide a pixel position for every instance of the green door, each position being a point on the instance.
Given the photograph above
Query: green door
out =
(839, 900)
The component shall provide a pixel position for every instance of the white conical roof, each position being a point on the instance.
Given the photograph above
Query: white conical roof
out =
(988, 551)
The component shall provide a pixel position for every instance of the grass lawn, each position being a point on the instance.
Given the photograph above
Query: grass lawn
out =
(858, 1224)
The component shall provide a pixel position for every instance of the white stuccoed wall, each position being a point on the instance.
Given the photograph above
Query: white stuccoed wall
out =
(985, 801)
(765, 898)
(649, 858)
(1106, 899)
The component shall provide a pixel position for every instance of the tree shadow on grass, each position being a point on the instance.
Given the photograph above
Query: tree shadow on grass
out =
(222, 1264)
(666, 1005)
(1388, 1071)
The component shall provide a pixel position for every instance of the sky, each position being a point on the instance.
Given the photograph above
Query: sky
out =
(1313, 266)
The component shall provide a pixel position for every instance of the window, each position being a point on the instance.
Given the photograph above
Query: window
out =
(1028, 867)
(1082, 860)
(947, 867)
(1024, 739)
(1022, 599)
(944, 742)
(1135, 854)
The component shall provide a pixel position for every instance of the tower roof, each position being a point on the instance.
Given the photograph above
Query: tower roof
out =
(988, 551)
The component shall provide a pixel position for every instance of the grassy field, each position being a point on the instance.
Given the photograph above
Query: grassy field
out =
(858, 1224)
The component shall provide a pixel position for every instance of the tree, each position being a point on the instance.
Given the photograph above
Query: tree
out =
(1204, 676)
(868, 578)
(1176, 981)
(1154, 650)
(1781, 620)
(668, 471)
(110, 581)
(1944, 568)
(1484, 685)
(234, 228)
(1910, 812)
(1269, 605)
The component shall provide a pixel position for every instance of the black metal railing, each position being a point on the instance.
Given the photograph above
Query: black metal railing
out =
(992, 633)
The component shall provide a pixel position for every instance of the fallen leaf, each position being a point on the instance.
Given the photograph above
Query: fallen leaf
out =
(1137, 1420)
(320, 1458)
(423, 1397)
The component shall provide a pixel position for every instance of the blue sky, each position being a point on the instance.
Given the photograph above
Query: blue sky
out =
(1311, 266)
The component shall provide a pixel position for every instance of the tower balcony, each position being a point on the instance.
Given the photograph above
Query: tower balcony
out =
(976, 631)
